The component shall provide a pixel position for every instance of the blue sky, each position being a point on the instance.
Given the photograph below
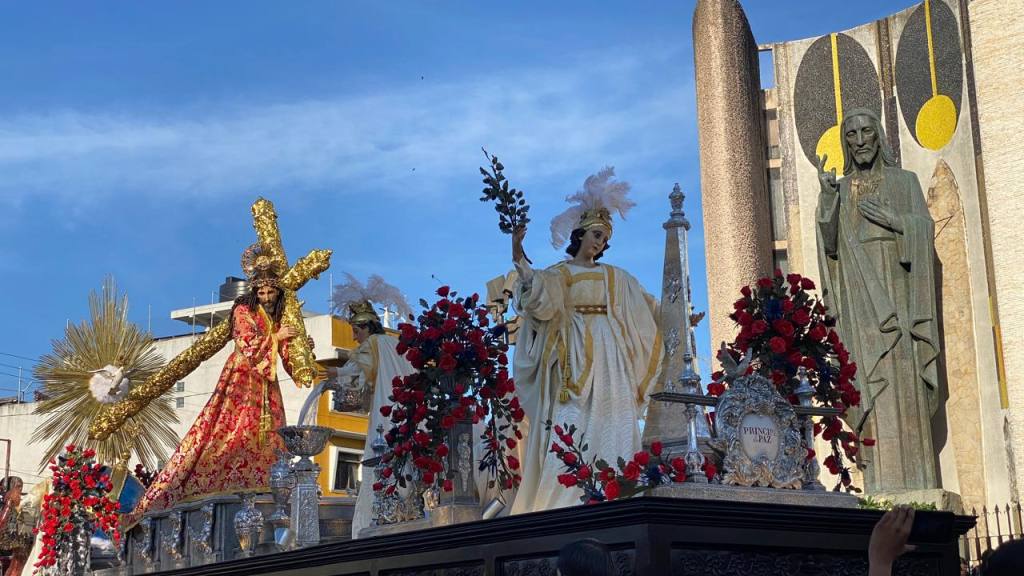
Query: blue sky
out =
(134, 137)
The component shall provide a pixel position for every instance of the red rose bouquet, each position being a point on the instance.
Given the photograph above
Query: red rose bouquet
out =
(786, 328)
(77, 501)
(462, 374)
(600, 481)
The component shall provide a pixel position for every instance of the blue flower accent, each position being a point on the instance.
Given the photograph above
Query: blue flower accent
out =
(772, 309)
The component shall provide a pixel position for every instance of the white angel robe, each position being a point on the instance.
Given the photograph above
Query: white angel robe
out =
(374, 364)
(587, 354)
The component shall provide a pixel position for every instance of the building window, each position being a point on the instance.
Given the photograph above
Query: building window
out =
(781, 259)
(778, 204)
(346, 471)
(179, 402)
(179, 386)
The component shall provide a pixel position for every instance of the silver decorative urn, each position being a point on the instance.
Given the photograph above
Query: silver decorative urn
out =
(304, 442)
(248, 525)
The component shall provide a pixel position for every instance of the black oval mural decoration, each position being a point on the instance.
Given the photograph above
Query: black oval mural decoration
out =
(929, 74)
(833, 64)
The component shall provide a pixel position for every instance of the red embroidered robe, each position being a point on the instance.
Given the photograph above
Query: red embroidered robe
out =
(224, 451)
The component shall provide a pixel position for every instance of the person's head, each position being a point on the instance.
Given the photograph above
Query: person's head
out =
(364, 330)
(588, 557)
(364, 320)
(1006, 560)
(268, 295)
(864, 141)
(591, 243)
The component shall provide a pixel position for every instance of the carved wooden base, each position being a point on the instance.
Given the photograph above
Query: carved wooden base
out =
(648, 536)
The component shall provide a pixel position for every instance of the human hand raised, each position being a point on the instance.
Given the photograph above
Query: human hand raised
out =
(889, 540)
(826, 179)
(517, 244)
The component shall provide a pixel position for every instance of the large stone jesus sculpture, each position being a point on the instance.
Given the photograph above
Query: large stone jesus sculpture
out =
(876, 255)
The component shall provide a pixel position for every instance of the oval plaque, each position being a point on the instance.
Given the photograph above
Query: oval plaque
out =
(759, 436)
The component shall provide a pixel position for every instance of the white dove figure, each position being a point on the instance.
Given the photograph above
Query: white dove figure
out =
(109, 384)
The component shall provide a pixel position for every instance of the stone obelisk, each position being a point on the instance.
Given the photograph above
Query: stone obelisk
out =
(733, 171)
(665, 421)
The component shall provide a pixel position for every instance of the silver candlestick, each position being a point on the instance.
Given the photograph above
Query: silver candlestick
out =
(694, 458)
(805, 392)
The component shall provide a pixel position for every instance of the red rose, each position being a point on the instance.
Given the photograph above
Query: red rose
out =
(569, 458)
(656, 447)
(441, 451)
(513, 463)
(511, 443)
(817, 332)
(740, 304)
(744, 318)
(787, 305)
(848, 371)
(745, 291)
(807, 284)
(632, 471)
(448, 485)
(782, 327)
(868, 441)
(443, 291)
(833, 338)
(584, 472)
(777, 344)
(448, 363)
(764, 283)
(556, 448)
(758, 327)
(801, 317)
(710, 469)
(809, 363)
(611, 490)
(716, 389)
(793, 278)
(642, 458)
(385, 410)
(428, 477)
(567, 480)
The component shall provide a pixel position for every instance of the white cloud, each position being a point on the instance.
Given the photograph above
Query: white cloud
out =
(601, 109)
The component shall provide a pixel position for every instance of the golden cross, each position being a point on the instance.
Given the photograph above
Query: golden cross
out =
(301, 362)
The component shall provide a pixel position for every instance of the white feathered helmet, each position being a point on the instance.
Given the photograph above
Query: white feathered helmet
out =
(592, 206)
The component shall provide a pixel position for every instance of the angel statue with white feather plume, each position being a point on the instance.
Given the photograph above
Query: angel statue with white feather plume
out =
(364, 381)
(588, 350)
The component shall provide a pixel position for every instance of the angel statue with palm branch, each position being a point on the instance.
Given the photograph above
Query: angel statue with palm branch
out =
(365, 379)
(588, 349)
(232, 443)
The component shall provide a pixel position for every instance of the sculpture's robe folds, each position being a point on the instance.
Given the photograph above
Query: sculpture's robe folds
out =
(374, 364)
(587, 353)
(880, 283)
(225, 451)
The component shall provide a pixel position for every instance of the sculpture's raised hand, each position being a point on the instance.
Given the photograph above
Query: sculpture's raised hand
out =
(826, 179)
(517, 244)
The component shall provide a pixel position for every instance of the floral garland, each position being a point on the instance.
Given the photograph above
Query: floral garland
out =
(78, 501)
(462, 373)
(601, 482)
(785, 328)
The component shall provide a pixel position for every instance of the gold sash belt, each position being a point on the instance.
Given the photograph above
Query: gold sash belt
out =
(592, 309)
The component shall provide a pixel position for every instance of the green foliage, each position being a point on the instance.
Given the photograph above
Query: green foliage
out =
(869, 503)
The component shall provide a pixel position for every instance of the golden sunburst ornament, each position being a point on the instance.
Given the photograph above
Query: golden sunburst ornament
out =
(94, 365)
